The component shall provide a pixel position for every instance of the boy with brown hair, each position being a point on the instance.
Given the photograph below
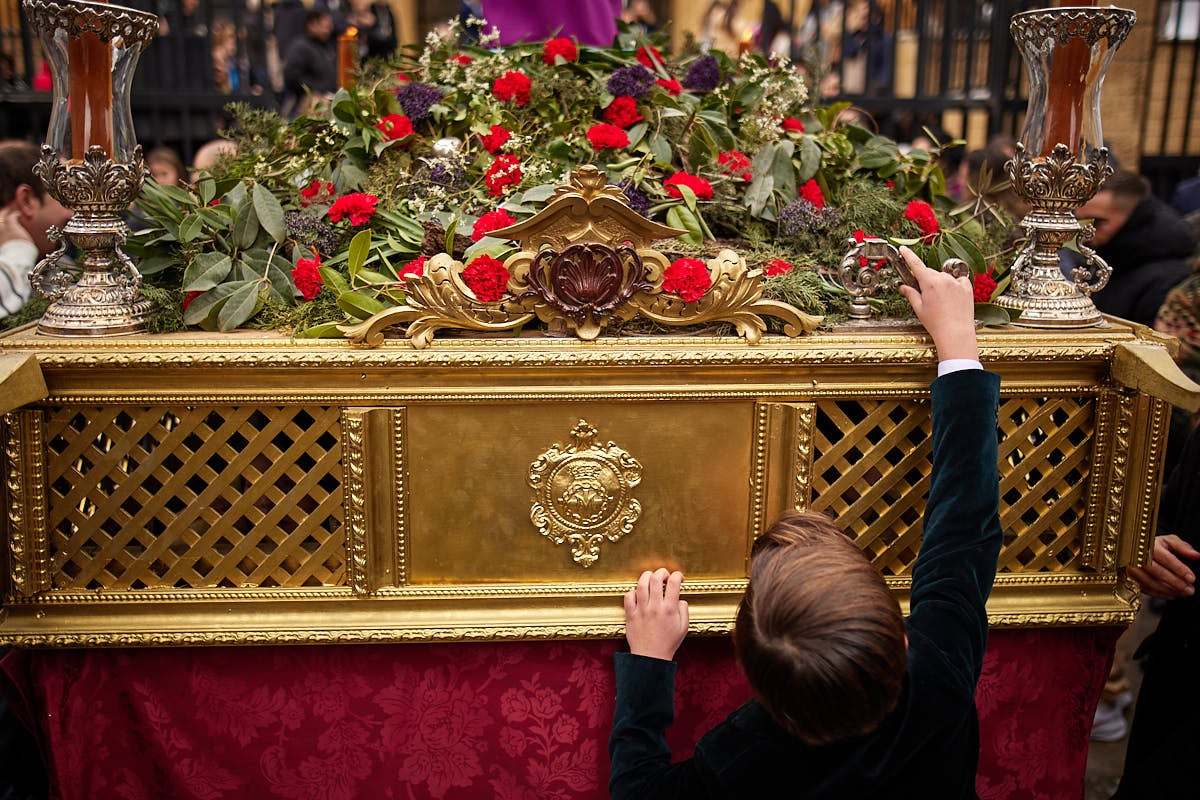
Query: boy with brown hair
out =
(850, 701)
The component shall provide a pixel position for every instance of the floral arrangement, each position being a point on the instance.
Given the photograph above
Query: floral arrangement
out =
(318, 221)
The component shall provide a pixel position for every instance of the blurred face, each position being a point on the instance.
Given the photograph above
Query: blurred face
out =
(38, 214)
(1107, 213)
(321, 28)
(163, 172)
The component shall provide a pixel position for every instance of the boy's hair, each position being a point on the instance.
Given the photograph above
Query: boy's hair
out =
(819, 635)
(17, 159)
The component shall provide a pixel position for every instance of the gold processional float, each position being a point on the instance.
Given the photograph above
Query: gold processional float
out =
(198, 488)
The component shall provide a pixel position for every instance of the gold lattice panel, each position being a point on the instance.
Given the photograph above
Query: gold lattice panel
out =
(195, 497)
(871, 472)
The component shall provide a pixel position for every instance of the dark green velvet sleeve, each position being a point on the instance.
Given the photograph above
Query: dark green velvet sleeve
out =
(956, 566)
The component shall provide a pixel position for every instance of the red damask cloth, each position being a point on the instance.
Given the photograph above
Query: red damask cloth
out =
(511, 721)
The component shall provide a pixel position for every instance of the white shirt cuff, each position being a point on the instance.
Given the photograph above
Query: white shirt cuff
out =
(956, 365)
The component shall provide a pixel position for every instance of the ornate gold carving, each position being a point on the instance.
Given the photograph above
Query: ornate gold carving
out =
(585, 261)
(400, 496)
(583, 493)
(1118, 476)
(355, 500)
(25, 498)
(1102, 521)
(805, 429)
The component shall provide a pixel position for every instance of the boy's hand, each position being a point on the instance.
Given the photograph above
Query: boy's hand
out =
(946, 307)
(656, 620)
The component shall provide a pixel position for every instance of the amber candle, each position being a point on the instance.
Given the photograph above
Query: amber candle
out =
(1064, 96)
(90, 99)
(347, 57)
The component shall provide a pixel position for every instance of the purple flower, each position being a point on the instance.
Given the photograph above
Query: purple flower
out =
(638, 200)
(633, 81)
(703, 75)
(801, 216)
(416, 98)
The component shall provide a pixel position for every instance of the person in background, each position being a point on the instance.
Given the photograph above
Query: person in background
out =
(210, 154)
(166, 167)
(640, 17)
(310, 67)
(591, 22)
(1148, 246)
(227, 73)
(26, 213)
(1165, 738)
(376, 28)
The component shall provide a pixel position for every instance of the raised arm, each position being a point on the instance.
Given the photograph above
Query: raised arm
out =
(957, 563)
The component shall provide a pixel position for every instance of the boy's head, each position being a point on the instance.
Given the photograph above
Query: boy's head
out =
(819, 635)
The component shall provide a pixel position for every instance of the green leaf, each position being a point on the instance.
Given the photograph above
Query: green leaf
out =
(348, 176)
(326, 330)
(637, 132)
(202, 310)
(682, 217)
(245, 225)
(660, 148)
(359, 304)
(334, 279)
(370, 276)
(240, 306)
(360, 246)
(992, 314)
(154, 264)
(539, 194)
(177, 195)
(207, 188)
(758, 194)
(206, 271)
(689, 197)
(810, 159)
(269, 212)
(451, 228)
(190, 228)
(967, 250)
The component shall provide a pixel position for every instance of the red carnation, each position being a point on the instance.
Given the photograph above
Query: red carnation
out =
(487, 278)
(603, 136)
(358, 207)
(777, 266)
(649, 56)
(737, 164)
(921, 213)
(859, 236)
(792, 125)
(395, 126)
(491, 221)
(504, 172)
(983, 285)
(512, 85)
(622, 112)
(189, 297)
(306, 275)
(811, 191)
(672, 86)
(688, 278)
(316, 192)
(415, 267)
(493, 141)
(461, 59)
(559, 47)
(700, 187)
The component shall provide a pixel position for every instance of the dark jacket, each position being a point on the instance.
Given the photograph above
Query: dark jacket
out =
(928, 747)
(311, 64)
(1149, 255)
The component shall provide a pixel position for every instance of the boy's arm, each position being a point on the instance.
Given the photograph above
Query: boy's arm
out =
(656, 621)
(962, 536)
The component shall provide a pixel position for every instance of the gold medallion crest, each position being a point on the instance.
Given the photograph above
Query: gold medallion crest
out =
(583, 493)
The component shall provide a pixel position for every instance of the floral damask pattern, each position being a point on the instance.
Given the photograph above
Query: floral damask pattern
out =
(511, 721)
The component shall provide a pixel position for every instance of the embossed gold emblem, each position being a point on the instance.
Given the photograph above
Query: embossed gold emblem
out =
(583, 493)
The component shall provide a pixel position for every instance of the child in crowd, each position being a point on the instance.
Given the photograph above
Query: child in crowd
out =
(850, 701)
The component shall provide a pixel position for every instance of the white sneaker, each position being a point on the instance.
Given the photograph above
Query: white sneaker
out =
(1109, 724)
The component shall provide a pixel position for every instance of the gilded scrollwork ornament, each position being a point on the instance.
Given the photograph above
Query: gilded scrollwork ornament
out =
(585, 261)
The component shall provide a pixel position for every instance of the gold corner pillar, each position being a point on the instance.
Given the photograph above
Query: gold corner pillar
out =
(244, 488)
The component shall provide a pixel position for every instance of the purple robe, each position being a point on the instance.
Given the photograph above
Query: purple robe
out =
(591, 22)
